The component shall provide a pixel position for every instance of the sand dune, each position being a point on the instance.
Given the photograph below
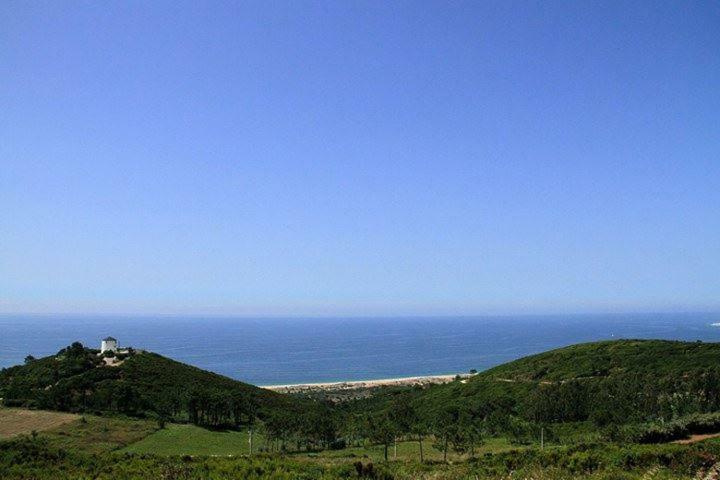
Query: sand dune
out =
(360, 384)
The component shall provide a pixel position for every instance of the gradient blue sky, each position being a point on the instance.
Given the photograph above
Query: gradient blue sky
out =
(364, 158)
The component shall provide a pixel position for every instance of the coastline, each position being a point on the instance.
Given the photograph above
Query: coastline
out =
(363, 384)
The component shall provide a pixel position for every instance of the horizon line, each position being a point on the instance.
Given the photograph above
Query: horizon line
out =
(259, 316)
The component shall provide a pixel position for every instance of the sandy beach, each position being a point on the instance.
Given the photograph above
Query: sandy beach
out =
(362, 384)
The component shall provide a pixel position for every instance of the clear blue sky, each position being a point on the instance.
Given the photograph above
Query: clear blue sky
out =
(365, 158)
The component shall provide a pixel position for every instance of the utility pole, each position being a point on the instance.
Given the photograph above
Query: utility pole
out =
(395, 449)
(542, 438)
(250, 440)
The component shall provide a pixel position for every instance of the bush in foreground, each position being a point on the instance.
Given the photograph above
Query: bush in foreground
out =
(27, 458)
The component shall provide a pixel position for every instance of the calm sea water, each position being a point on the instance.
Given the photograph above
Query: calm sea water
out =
(281, 351)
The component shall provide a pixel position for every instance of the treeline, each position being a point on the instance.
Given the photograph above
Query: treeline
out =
(317, 428)
(452, 426)
(462, 416)
(635, 408)
(625, 399)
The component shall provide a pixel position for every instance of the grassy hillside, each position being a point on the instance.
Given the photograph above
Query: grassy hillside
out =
(613, 382)
(656, 358)
(77, 379)
(91, 434)
(177, 439)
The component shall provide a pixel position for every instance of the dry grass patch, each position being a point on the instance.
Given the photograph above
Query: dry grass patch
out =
(17, 421)
(93, 434)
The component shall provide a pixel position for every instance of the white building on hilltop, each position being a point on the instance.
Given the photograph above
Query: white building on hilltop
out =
(108, 343)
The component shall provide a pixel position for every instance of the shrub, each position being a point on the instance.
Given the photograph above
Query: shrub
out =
(657, 432)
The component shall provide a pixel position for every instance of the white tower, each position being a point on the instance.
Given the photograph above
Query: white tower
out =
(108, 343)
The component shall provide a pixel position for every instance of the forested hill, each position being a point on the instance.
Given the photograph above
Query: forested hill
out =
(655, 358)
(140, 383)
(606, 382)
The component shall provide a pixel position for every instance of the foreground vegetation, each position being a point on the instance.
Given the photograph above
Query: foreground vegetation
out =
(26, 458)
(599, 410)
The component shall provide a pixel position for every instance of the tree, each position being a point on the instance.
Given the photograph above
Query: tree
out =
(420, 430)
(404, 415)
(443, 427)
(354, 428)
(382, 430)
(243, 409)
(76, 349)
(408, 421)
(466, 432)
(520, 430)
(318, 425)
(161, 421)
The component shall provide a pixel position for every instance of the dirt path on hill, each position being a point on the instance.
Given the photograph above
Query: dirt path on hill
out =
(696, 438)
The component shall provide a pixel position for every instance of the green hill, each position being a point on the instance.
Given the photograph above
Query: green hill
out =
(607, 382)
(611, 358)
(77, 379)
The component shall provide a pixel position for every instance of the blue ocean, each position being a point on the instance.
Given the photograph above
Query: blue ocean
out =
(272, 351)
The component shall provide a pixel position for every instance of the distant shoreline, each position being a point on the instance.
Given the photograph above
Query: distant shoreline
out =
(358, 384)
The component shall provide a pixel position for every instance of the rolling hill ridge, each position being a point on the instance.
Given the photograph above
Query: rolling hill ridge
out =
(77, 379)
(609, 382)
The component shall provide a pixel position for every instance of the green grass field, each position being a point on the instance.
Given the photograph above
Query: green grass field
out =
(177, 439)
